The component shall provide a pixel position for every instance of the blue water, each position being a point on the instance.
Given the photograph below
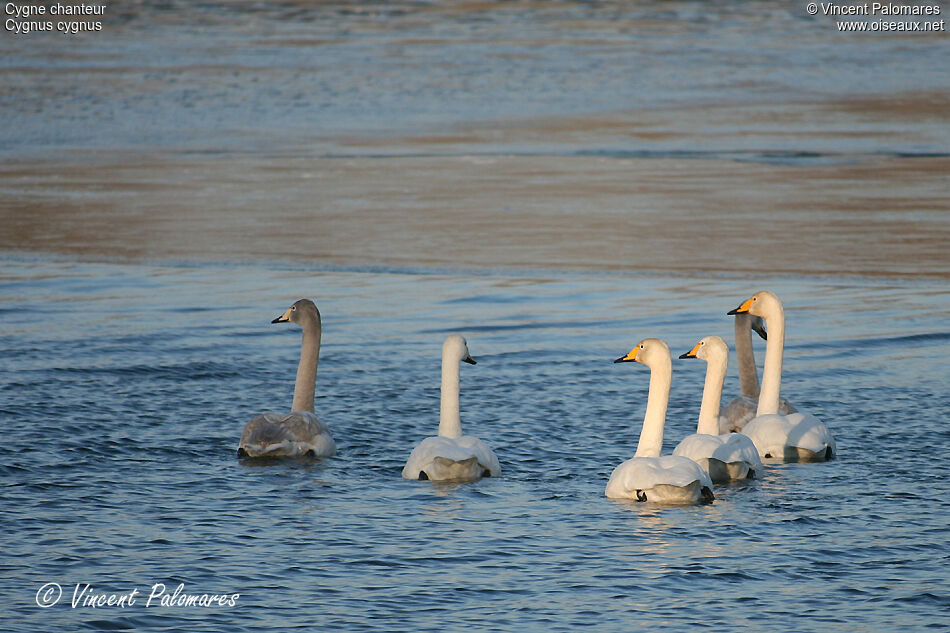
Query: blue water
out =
(124, 389)
(278, 78)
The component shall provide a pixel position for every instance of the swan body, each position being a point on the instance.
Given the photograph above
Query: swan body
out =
(288, 435)
(464, 458)
(451, 456)
(738, 411)
(725, 457)
(785, 437)
(648, 476)
(300, 432)
(796, 437)
(665, 479)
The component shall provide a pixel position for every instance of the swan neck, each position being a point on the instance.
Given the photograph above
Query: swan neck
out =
(651, 436)
(307, 369)
(712, 396)
(748, 376)
(450, 424)
(772, 370)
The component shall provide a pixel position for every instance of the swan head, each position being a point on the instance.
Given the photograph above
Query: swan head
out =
(758, 326)
(302, 311)
(650, 351)
(710, 348)
(456, 348)
(761, 304)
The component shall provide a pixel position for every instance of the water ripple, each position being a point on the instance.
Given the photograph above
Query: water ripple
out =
(118, 467)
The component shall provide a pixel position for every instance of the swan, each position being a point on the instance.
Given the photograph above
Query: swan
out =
(789, 437)
(299, 432)
(451, 455)
(738, 411)
(728, 456)
(648, 476)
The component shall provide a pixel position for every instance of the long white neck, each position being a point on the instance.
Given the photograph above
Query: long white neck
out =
(748, 377)
(712, 395)
(651, 436)
(450, 425)
(772, 371)
(307, 369)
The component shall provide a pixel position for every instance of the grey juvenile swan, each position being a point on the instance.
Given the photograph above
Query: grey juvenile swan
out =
(298, 433)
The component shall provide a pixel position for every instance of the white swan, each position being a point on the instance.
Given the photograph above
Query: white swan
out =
(727, 456)
(299, 432)
(451, 455)
(648, 476)
(795, 436)
(738, 411)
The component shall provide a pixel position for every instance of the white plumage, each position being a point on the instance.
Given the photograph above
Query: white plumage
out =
(796, 437)
(451, 455)
(665, 479)
(648, 476)
(736, 413)
(463, 458)
(793, 437)
(727, 456)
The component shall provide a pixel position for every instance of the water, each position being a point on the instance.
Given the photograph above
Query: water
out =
(125, 388)
(458, 134)
(555, 181)
(302, 78)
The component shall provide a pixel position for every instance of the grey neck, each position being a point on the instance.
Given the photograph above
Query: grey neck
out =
(748, 376)
(307, 369)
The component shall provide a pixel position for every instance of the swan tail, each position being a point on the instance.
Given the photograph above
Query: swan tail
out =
(445, 469)
(691, 493)
(292, 435)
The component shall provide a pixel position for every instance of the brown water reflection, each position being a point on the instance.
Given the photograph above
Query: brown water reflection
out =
(667, 136)
(884, 215)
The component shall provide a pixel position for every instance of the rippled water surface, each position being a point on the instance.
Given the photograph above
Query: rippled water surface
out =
(283, 77)
(124, 390)
(384, 148)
